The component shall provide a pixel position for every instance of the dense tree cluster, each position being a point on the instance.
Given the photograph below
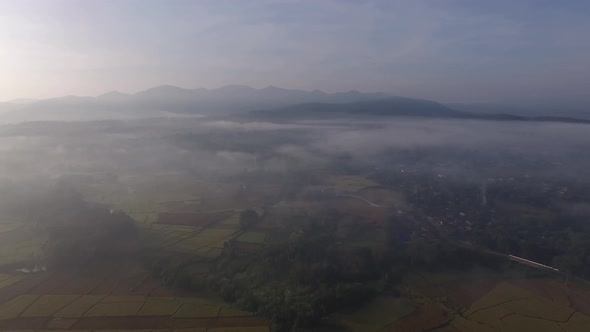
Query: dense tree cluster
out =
(89, 234)
(312, 270)
(297, 281)
(79, 233)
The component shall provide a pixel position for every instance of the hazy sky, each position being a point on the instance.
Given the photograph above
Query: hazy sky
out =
(445, 50)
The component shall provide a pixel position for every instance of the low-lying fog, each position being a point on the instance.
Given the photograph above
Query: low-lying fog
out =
(222, 148)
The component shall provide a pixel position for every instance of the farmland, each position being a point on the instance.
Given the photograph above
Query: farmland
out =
(85, 311)
(505, 307)
(155, 228)
(126, 296)
(131, 297)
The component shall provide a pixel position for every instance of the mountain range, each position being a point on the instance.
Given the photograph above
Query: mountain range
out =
(269, 102)
(391, 107)
(171, 99)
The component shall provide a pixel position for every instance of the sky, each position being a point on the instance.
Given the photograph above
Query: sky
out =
(450, 51)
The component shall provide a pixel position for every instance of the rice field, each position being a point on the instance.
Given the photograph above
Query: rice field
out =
(192, 218)
(114, 309)
(504, 292)
(48, 305)
(230, 311)
(239, 329)
(14, 307)
(232, 222)
(577, 323)
(425, 318)
(508, 307)
(197, 310)
(79, 307)
(539, 307)
(462, 324)
(9, 226)
(7, 280)
(124, 299)
(514, 323)
(159, 307)
(123, 313)
(21, 251)
(350, 183)
(377, 314)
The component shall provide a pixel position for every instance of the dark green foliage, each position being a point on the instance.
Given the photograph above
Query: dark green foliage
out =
(248, 217)
(81, 233)
(177, 271)
(91, 234)
(298, 281)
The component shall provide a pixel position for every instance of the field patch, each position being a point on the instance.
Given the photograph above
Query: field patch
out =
(60, 324)
(426, 318)
(197, 310)
(189, 205)
(549, 288)
(463, 293)
(104, 287)
(213, 253)
(579, 302)
(465, 325)
(230, 311)
(159, 307)
(510, 308)
(376, 314)
(384, 197)
(491, 316)
(192, 218)
(79, 307)
(114, 309)
(539, 307)
(14, 307)
(350, 183)
(7, 227)
(212, 236)
(239, 329)
(231, 222)
(123, 298)
(48, 305)
(8, 280)
(504, 292)
(418, 285)
(515, 323)
(577, 323)
(20, 251)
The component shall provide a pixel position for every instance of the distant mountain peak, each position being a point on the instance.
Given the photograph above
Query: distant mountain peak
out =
(22, 101)
(235, 87)
(113, 94)
(72, 98)
(167, 87)
(163, 89)
(272, 88)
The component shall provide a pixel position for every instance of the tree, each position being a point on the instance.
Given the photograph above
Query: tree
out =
(248, 217)
(89, 233)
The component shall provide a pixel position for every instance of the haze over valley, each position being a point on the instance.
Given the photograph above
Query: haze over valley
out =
(292, 165)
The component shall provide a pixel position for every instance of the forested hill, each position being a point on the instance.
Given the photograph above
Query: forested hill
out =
(390, 107)
(396, 106)
(268, 103)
